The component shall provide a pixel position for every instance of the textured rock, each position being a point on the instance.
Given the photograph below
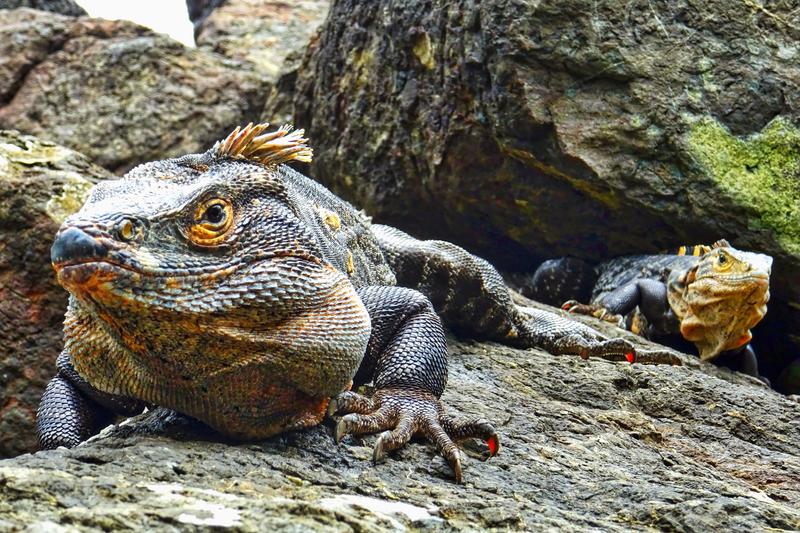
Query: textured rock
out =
(258, 33)
(115, 91)
(530, 130)
(64, 7)
(586, 445)
(40, 184)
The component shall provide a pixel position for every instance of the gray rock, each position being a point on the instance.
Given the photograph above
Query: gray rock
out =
(260, 34)
(116, 91)
(533, 130)
(585, 445)
(40, 184)
(63, 7)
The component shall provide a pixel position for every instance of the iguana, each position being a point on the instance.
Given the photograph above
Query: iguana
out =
(711, 296)
(233, 289)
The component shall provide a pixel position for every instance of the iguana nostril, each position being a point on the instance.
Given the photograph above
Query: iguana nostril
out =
(74, 244)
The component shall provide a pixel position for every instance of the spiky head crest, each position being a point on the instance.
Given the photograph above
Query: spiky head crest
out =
(273, 148)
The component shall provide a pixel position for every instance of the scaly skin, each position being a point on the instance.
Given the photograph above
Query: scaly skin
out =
(233, 289)
(712, 299)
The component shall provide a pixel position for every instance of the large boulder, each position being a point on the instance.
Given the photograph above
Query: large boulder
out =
(530, 130)
(116, 91)
(586, 445)
(40, 185)
(260, 34)
(64, 7)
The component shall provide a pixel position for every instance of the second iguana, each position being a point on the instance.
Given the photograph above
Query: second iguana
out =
(710, 296)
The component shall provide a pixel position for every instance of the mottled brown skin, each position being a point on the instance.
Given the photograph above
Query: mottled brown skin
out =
(230, 288)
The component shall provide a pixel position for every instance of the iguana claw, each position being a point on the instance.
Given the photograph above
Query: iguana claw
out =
(597, 311)
(401, 413)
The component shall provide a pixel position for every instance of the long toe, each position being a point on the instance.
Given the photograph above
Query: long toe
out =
(351, 402)
(356, 424)
(391, 440)
(436, 434)
(468, 429)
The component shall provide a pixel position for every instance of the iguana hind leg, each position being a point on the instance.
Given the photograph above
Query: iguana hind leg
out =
(407, 361)
(471, 297)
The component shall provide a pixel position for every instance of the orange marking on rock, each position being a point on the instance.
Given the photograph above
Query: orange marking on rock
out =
(630, 357)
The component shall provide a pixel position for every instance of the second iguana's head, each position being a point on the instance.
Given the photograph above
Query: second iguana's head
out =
(721, 298)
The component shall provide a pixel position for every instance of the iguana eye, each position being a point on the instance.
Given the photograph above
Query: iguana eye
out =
(723, 261)
(215, 214)
(212, 219)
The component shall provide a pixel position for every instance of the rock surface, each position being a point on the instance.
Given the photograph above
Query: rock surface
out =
(116, 91)
(40, 184)
(531, 130)
(64, 7)
(586, 445)
(258, 33)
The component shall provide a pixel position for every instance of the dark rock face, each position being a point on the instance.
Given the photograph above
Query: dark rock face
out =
(259, 34)
(116, 91)
(585, 445)
(40, 184)
(528, 131)
(63, 7)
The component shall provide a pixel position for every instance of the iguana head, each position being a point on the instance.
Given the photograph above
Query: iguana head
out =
(721, 298)
(205, 279)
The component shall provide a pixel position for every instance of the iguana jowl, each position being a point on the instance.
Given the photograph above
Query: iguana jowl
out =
(231, 288)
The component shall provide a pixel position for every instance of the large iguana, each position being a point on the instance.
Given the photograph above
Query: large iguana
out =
(710, 296)
(233, 289)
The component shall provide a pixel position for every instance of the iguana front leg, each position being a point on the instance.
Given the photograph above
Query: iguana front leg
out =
(71, 410)
(407, 361)
(649, 295)
(472, 298)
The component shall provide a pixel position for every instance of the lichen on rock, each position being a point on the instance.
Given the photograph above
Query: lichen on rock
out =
(760, 173)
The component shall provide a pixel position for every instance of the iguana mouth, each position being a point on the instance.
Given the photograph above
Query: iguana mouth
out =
(752, 277)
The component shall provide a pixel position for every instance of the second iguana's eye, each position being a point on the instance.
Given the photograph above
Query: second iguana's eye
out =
(212, 220)
(723, 261)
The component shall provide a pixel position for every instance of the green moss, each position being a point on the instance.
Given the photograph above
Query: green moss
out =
(762, 173)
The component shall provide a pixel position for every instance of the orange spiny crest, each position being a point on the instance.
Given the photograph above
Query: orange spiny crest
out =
(273, 148)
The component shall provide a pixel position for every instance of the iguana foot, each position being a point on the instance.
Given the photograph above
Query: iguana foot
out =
(597, 311)
(402, 413)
